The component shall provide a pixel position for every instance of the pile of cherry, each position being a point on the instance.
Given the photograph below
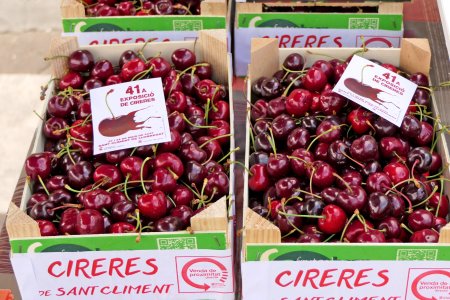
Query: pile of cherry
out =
(324, 169)
(148, 188)
(111, 8)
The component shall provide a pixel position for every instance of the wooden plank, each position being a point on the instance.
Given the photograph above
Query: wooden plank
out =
(213, 8)
(413, 51)
(259, 230)
(214, 217)
(60, 49)
(213, 46)
(20, 225)
(72, 9)
(264, 58)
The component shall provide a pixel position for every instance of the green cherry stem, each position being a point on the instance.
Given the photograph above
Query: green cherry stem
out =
(142, 174)
(215, 138)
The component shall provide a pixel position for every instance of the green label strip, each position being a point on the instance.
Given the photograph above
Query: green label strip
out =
(169, 241)
(153, 23)
(347, 251)
(321, 20)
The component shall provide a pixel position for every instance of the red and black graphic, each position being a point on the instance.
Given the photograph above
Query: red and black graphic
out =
(204, 274)
(364, 90)
(116, 126)
(432, 285)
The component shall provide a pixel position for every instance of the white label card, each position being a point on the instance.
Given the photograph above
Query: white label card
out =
(128, 115)
(376, 88)
(126, 275)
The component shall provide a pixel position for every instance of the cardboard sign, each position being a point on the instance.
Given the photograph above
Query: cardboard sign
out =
(346, 280)
(130, 37)
(310, 38)
(128, 115)
(111, 275)
(376, 88)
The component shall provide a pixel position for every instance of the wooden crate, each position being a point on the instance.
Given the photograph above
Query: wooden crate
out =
(313, 25)
(134, 29)
(292, 270)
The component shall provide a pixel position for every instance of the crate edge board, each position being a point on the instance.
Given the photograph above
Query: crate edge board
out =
(73, 9)
(256, 7)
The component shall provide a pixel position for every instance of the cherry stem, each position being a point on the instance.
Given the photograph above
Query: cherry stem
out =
(55, 57)
(39, 116)
(343, 181)
(294, 198)
(352, 159)
(215, 138)
(302, 216)
(439, 173)
(329, 238)
(335, 127)
(412, 172)
(290, 232)
(240, 164)
(441, 194)
(43, 184)
(142, 74)
(71, 189)
(435, 136)
(141, 51)
(67, 205)
(171, 200)
(324, 55)
(142, 174)
(362, 220)
(205, 182)
(428, 198)
(194, 125)
(252, 138)
(207, 108)
(191, 67)
(125, 190)
(138, 227)
(406, 228)
(195, 192)
(410, 206)
(406, 181)
(271, 140)
(399, 157)
(292, 83)
(310, 181)
(347, 224)
(122, 184)
(308, 193)
(228, 154)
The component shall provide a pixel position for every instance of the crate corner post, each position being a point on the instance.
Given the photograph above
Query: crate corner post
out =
(20, 225)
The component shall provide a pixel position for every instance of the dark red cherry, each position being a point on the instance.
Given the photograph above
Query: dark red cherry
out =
(183, 58)
(81, 61)
(425, 236)
(90, 221)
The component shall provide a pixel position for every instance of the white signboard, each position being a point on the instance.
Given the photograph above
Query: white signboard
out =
(310, 38)
(128, 115)
(125, 275)
(346, 280)
(376, 88)
(130, 37)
